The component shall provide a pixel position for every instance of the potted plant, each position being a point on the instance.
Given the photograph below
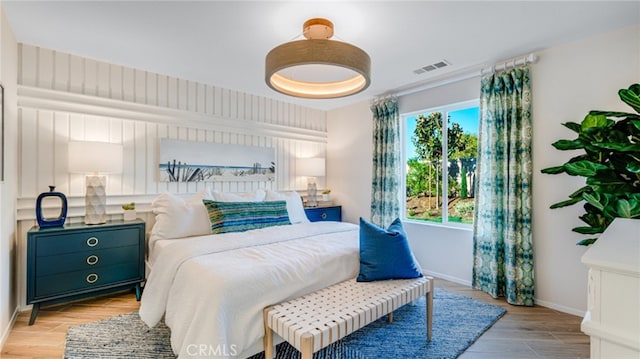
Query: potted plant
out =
(325, 195)
(610, 164)
(129, 211)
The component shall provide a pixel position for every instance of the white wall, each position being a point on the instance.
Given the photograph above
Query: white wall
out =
(349, 164)
(8, 78)
(568, 81)
(65, 97)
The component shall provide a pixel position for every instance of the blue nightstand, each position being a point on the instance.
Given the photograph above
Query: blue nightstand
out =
(329, 213)
(79, 260)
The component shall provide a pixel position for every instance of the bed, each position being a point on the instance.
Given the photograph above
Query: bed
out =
(211, 288)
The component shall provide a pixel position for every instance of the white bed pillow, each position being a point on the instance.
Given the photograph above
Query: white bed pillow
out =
(254, 196)
(179, 218)
(294, 205)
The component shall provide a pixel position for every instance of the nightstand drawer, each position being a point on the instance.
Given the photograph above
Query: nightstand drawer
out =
(87, 260)
(83, 241)
(317, 214)
(59, 284)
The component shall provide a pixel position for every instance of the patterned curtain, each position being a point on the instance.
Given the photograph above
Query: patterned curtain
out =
(502, 244)
(385, 202)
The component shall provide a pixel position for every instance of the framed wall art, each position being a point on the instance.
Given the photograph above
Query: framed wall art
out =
(188, 161)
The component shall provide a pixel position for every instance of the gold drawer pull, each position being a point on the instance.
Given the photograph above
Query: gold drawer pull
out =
(92, 259)
(323, 215)
(92, 242)
(92, 278)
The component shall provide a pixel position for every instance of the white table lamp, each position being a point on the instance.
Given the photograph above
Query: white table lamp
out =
(97, 158)
(311, 168)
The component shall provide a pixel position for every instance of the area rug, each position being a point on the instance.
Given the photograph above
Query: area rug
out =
(457, 322)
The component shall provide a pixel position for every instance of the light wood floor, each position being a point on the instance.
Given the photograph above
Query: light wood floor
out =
(536, 332)
(525, 332)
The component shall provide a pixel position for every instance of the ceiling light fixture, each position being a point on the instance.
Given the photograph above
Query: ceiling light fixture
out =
(317, 67)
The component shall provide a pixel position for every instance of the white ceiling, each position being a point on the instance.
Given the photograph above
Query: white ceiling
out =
(224, 43)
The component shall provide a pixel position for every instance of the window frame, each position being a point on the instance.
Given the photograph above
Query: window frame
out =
(445, 159)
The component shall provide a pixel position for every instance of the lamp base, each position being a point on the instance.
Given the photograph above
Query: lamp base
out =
(312, 194)
(96, 200)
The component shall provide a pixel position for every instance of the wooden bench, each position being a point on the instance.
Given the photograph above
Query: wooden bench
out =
(315, 320)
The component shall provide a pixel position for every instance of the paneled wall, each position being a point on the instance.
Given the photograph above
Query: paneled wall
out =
(63, 97)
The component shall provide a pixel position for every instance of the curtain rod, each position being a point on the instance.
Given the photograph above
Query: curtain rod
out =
(506, 64)
(468, 73)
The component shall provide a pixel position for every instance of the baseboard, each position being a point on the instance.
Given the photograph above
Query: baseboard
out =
(7, 330)
(560, 308)
(542, 303)
(447, 277)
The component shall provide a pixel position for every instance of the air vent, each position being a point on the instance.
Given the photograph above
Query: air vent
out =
(435, 66)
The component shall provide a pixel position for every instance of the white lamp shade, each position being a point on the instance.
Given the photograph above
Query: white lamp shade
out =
(310, 167)
(95, 157)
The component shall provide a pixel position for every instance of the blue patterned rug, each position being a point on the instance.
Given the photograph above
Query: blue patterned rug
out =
(457, 322)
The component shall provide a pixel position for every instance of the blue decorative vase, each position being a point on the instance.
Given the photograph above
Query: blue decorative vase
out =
(51, 222)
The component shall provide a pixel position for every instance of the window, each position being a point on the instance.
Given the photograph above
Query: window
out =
(439, 144)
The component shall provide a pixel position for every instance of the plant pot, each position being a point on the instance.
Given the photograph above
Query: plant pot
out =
(326, 197)
(130, 214)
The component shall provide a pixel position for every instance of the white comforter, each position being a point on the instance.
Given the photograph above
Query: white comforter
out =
(212, 289)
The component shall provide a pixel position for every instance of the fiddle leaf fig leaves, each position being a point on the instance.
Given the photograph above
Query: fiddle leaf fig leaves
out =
(566, 203)
(631, 96)
(628, 208)
(610, 163)
(623, 208)
(587, 230)
(553, 170)
(633, 167)
(594, 200)
(575, 127)
(587, 242)
(583, 168)
(615, 114)
(621, 147)
(595, 121)
(568, 144)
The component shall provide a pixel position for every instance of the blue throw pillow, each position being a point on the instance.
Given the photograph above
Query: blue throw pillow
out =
(228, 217)
(385, 254)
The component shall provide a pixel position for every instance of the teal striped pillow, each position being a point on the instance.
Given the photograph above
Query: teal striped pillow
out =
(242, 216)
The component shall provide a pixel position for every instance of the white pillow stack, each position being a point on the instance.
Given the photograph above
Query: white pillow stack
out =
(254, 196)
(294, 205)
(178, 218)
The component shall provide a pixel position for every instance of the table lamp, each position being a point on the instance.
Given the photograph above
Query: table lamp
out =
(95, 159)
(311, 168)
